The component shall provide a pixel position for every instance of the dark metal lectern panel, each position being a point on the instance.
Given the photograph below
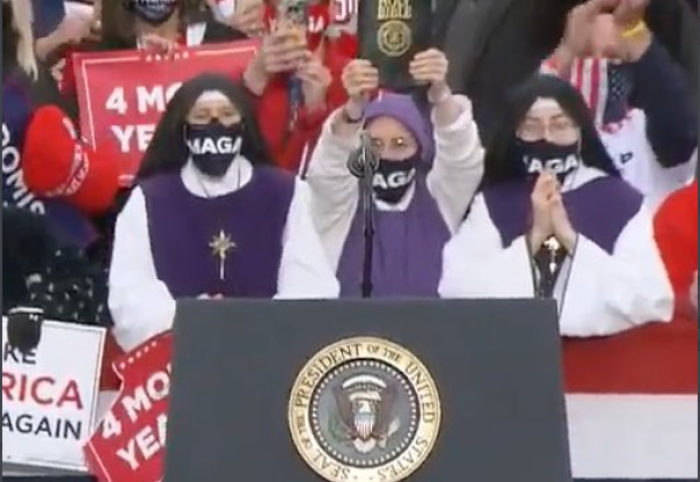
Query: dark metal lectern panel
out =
(497, 365)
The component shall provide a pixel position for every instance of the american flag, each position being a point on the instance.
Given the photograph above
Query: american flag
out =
(632, 403)
(605, 85)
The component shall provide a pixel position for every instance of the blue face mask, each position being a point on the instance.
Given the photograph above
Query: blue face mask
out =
(154, 12)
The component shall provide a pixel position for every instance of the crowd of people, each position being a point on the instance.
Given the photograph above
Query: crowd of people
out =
(559, 180)
(548, 150)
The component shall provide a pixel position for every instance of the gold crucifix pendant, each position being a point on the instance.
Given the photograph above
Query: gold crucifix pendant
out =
(220, 246)
(553, 246)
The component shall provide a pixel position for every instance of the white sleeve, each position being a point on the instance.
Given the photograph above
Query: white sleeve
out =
(458, 166)
(141, 304)
(639, 165)
(607, 294)
(304, 269)
(476, 265)
(334, 191)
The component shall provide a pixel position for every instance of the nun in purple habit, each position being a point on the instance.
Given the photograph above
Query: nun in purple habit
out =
(555, 220)
(428, 171)
(210, 217)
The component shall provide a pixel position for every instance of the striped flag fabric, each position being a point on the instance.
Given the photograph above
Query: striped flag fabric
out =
(590, 76)
(604, 84)
(632, 403)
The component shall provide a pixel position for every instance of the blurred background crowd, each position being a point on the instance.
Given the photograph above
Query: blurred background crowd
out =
(550, 150)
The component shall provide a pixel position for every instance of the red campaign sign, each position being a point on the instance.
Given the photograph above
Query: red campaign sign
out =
(122, 95)
(128, 444)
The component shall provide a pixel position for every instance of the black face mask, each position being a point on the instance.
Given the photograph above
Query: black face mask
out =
(214, 146)
(154, 12)
(393, 179)
(540, 156)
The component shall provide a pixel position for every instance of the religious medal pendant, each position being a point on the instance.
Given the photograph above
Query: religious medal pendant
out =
(220, 246)
(553, 246)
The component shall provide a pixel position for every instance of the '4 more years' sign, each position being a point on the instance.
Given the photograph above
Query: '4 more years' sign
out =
(49, 396)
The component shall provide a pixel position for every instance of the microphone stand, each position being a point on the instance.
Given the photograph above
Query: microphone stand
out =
(367, 192)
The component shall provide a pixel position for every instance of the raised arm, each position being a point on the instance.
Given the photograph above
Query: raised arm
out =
(334, 189)
(662, 91)
(458, 165)
(459, 159)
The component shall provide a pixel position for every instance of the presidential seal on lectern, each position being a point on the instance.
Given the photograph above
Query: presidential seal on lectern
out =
(365, 410)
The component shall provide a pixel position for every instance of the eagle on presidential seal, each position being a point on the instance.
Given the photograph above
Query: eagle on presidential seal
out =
(365, 417)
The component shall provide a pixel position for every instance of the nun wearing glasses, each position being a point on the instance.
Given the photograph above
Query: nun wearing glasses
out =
(429, 168)
(555, 220)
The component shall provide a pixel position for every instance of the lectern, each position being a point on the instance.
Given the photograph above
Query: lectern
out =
(367, 391)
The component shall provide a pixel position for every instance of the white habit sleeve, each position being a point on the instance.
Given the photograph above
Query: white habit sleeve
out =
(609, 294)
(140, 303)
(476, 265)
(458, 166)
(334, 190)
(304, 269)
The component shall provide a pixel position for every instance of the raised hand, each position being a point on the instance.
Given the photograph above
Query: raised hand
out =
(430, 68)
(630, 12)
(284, 50)
(249, 20)
(580, 35)
(360, 79)
(628, 16)
(315, 80)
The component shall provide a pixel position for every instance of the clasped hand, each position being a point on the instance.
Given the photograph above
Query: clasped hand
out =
(549, 216)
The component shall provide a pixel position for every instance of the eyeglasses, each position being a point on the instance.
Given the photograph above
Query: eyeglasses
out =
(396, 146)
(561, 130)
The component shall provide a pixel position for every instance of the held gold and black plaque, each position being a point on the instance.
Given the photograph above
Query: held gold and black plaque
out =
(391, 33)
(364, 410)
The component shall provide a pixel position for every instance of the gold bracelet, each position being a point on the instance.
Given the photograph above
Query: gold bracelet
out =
(635, 30)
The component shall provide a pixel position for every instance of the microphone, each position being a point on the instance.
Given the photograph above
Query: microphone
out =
(58, 164)
(362, 160)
